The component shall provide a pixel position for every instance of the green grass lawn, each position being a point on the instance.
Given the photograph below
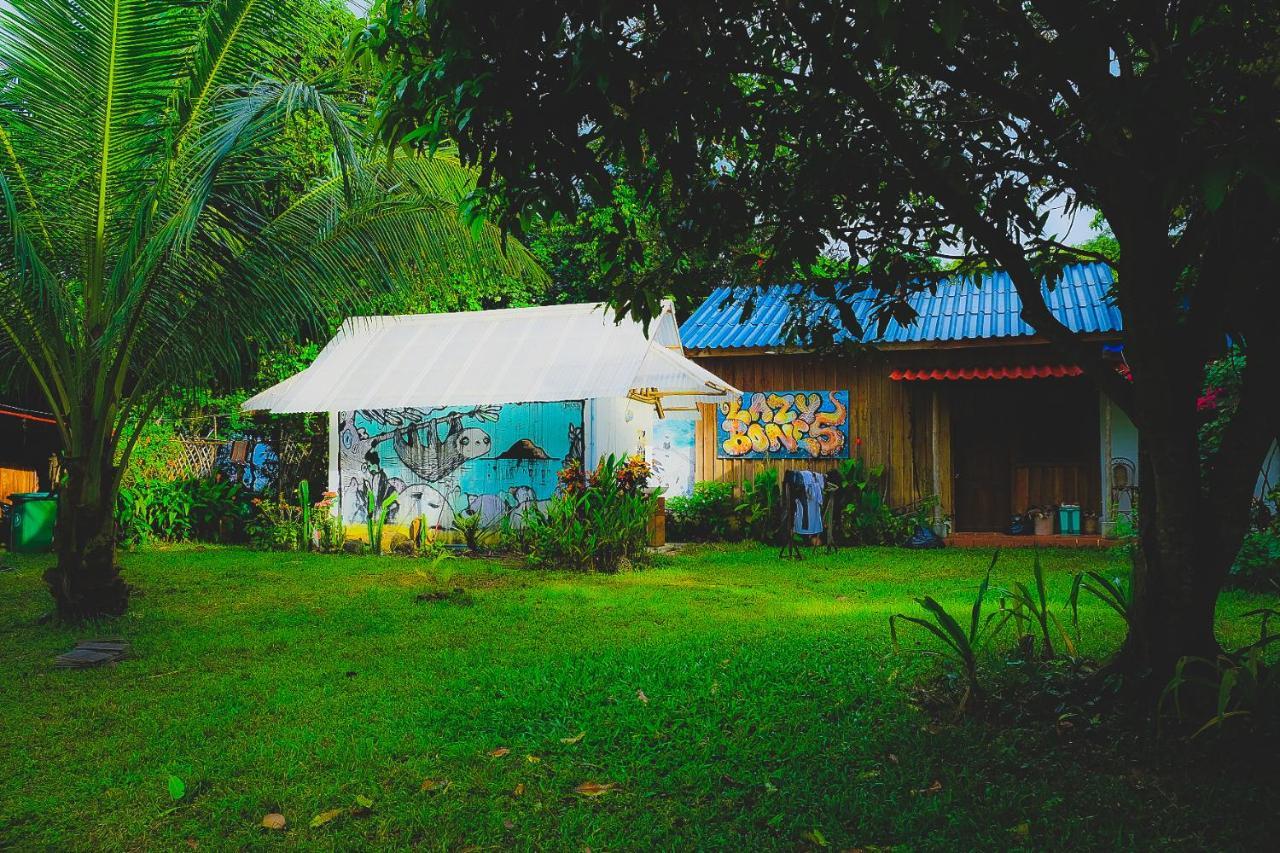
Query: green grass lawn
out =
(735, 701)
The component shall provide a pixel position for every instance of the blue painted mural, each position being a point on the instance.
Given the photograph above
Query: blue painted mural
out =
(494, 462)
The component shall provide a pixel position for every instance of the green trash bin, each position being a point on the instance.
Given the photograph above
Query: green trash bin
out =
(32, 522)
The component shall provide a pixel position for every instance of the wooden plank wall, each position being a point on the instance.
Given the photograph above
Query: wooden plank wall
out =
(16, 481)
(894, 420)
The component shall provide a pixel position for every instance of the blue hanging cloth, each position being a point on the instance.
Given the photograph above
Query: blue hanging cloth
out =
(807, 520)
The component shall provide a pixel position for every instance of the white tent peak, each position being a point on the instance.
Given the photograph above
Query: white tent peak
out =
(508, 355)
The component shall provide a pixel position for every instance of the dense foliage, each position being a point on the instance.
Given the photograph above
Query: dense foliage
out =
(707, 515)
(200, 509)
(167, 213)
(598, 520)
(903, 133)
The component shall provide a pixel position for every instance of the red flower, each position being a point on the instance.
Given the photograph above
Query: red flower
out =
(1209, 401)
(857, 442)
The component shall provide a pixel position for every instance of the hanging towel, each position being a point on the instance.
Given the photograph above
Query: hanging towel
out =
(808, 511)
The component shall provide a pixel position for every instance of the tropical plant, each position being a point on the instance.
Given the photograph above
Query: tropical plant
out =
(376, 517)
(758, 507)
(595, 522)
(306, 531)
(204, 509)
(961, 643)
(275, 524)
(707, 515)
(1242, 685)
(1027, 608)
(468, 524)
(862, 514)
(946, 127)
(1112, 592)
(136, 254)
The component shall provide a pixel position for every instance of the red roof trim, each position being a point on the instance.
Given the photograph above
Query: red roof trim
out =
(1043, 371)
(26, 417)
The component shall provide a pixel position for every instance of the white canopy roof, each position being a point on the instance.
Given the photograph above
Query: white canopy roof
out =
(512, 355)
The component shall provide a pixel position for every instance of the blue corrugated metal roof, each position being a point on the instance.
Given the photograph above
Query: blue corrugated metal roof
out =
(960, 309)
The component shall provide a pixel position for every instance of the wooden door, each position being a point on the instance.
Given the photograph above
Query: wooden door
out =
(981, 458)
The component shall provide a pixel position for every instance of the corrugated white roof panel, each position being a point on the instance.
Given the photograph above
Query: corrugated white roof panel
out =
(512, 355)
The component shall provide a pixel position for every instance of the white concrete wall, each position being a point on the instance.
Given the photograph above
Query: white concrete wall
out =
(1119, 464)
(616, 425)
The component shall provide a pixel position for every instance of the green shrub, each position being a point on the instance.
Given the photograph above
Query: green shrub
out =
(596, 521)
(961, 642)
(1258, 563)
(705, 516)
(758, 508)
(1027, 609)
(1257, 566)
(1241, 687)
(376, 518)
(471, 529)
(201, 509)
(863, 517)
(275, 525)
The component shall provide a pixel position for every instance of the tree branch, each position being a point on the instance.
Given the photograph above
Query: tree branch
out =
(966, 210)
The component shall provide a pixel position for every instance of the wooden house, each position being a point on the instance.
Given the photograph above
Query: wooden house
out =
(967, 404)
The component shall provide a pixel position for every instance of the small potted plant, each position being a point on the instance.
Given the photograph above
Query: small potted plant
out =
(1042, 519)
(1089, 523)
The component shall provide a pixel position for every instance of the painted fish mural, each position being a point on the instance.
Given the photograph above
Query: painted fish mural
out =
(494, 462)
(784, 425)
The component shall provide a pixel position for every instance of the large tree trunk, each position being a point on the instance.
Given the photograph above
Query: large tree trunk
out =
(1175, 577)
(1191, 519)
(85, 582)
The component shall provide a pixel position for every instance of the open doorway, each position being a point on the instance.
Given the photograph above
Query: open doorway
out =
(1019, 443)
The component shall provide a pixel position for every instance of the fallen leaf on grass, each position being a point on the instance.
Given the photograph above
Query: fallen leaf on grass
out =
(499, 752)
(363, 806)
(594, 789)
(435, 785)
(1023, 829)
(572, 740)
(893, 759)
(275, 820)
(532, 759)
(324, 817)
(508, 823)
(193, 844)
(177, 788)
(644, 700)
(519, 791)
(815, 836)
(932, 789)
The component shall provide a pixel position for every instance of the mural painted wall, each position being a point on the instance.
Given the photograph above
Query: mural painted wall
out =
(490, 461)
(671, 454)
(784, 425)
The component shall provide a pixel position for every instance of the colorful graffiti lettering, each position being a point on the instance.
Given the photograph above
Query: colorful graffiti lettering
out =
(785, 425)
(495, 462)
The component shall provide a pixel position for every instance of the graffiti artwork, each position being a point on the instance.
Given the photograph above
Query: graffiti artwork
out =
(671, 456)
(494, 462)
(784, 425)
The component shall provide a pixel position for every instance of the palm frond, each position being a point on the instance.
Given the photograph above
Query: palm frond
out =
(92, 82)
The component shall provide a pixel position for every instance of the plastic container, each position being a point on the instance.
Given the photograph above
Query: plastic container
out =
(32, 519)
(1069, 520)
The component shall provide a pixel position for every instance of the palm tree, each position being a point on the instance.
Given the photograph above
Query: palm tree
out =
(133, 255)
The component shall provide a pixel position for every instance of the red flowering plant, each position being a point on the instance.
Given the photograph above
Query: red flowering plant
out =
(1218, 399)
(572, 479)
(633, 474)
(597, 520)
